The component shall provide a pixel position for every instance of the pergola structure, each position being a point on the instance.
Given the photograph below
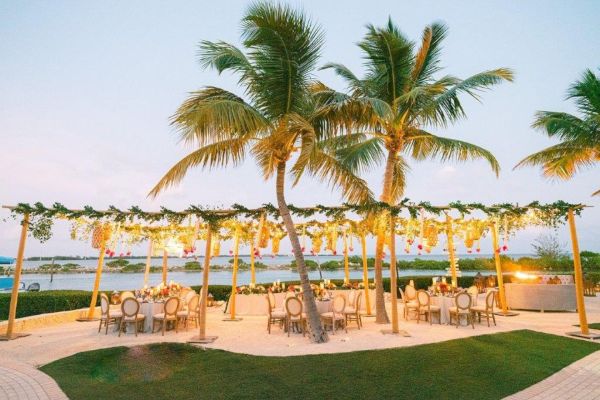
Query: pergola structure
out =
(423, 225)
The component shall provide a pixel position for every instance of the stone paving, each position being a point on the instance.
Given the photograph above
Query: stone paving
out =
(20, 381)
(580, 380)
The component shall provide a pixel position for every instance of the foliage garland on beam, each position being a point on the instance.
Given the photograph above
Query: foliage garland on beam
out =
(41, 217)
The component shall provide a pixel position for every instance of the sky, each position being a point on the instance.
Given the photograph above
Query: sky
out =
(87, 89)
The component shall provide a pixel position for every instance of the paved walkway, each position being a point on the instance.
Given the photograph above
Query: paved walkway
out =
(19, 381)
(580, 380)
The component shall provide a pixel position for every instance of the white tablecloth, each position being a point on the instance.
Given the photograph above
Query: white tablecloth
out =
(255, 304)
(541, 297)
(149, 309)
(444, 303)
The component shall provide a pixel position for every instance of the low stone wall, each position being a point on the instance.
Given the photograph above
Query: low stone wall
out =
(27, 324)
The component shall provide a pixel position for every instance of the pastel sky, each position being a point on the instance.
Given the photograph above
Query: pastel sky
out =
(87, 89)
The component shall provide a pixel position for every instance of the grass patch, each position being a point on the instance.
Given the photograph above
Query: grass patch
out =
(482, 367)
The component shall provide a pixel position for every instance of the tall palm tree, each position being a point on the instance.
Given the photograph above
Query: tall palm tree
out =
(278, 125)
(390, 111)
(579, 136)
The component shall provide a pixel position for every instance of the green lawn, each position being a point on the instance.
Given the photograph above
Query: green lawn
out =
(483, 367)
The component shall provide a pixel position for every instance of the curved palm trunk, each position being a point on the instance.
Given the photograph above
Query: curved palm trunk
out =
(381, 316)
(316, 332)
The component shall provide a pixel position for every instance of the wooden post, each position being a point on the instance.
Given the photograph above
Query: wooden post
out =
(255, 240)
(92, 308)
(14, 297)
(451, 254)
(346, 263)
(202, 338)
(148, 262)
(165, 260)
(236, 252)
(578, 275)
(498, 263)
(393, 277)
(363, 244)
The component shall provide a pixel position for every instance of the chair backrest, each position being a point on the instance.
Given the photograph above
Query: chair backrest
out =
(473, 291)
(423, 298)
(402, 296)
(289, 294)
(193, 304)
(130, 307)
(351, 296)
(126, 294)
(339, 304)
(410, 292)
(293, 306)
(463, 301)
(188, 296)
(104, 305)
(171, 306)
(490, 299)
(358, 300)
(271, 298)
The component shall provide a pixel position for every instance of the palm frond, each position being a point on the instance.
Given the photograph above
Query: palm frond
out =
(325, 167)
(284, 46)
(215, 114)
(424, 145)
(359, 157)
(218, 154)
(356, 86)
(586, 93)
(401, 169)
(566, 126)
(427, 57)
(223, 56)
(563, 160)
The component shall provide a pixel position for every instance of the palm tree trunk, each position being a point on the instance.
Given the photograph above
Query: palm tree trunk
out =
(381, 316)
(316, 332)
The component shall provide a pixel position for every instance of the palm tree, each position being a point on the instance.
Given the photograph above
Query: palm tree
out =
(278, 124)
(579, 136)
(390, 111)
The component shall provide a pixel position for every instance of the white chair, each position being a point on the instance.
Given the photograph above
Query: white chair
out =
(294, 315)
(352, 312)
(108, 317)
(188, 296)
(487, 309)
(169, 314)
(273, 303)
(473, 292)
(409, 305)
(426, 308)
(276, 316)
(191, 311)
(462, 308)
(126, 295)
(130, 309)
(336, 315)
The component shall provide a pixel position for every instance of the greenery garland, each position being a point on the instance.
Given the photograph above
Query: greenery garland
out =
(41, 217)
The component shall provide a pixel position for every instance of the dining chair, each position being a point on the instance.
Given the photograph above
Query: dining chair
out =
(473, 291)
(294, 315)
(107, 316)
(352, 313)
(487, 309)
(127, 294)
(276, 316)
(191, 312)
(273, 303)
(336, 315)
(410, 292)
(130, 309)
(462, 307)
(426, 308)
(409, 305)
(169, 314)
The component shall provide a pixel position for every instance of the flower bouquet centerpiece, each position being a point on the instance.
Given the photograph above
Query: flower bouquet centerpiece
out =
(251, 289)
(329, 285)
(361, 285)
(277, 287)
(350, 285)
(160, 292)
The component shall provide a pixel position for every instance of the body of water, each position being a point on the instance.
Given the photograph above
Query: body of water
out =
(127, 281)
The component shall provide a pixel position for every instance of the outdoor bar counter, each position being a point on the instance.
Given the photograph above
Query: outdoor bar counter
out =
(542, 297)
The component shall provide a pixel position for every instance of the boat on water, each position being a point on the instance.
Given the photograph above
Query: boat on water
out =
(7, 282)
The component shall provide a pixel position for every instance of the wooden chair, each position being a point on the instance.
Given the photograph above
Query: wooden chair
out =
(352, 313)
(191, 311)
(336, 315)
(426, 308)
(294, 315)
(473, 292)
(276, 316)
(169, 314)
(462, 308)
(130, 309)
(108, 317)
(409, 305)
(273, 302)
(126, 294)
(487, 309)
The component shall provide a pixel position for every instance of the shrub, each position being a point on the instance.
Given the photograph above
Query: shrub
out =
(34, 303)
(192, 266)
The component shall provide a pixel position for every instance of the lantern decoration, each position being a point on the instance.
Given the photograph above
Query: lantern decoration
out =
(317, 243)
(332, 238)
(277, 234)
(264, 235)
(430, 236)
(216, 248)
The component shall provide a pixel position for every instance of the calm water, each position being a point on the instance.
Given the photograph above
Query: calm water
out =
(117, 281)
